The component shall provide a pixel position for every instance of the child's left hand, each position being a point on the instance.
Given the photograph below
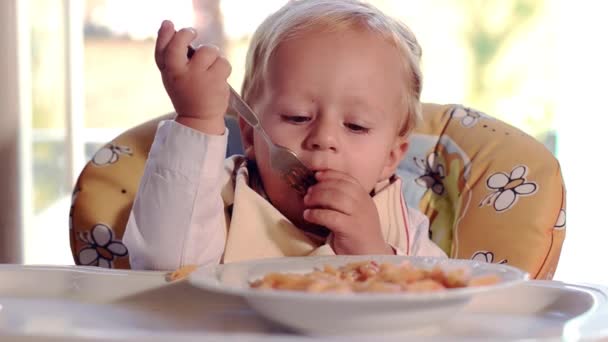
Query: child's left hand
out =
(340, 203)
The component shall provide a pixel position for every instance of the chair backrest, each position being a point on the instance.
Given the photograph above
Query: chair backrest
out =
(490, 191)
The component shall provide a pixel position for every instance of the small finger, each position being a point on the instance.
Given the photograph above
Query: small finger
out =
(205, 56)
(341, 185)
(333, 199)
(165, 33)
(332, 220)
(333, 174)
(221, 67)
(175, 57)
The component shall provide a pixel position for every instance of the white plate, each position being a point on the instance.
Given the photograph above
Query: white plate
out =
(356, 313)
(60, 304)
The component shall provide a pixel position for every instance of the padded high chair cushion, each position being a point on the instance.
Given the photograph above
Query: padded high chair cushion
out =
(490, 191)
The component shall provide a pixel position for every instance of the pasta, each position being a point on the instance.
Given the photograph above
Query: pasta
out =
(369, 276)
(181, 273)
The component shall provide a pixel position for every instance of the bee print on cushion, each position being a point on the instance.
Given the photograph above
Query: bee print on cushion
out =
(110, 154)
(468, 117)
(561, 220)
(433, 173)
(507, 188)
(101, 249)
(486, 256)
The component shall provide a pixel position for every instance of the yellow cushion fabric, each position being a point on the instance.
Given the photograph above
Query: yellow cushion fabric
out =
(104, 194)
(454, 173)
(491, 191)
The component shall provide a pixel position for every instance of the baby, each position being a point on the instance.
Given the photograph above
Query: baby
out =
(337, 82)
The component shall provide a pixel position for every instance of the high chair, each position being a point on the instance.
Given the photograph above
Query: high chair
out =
(490, 191)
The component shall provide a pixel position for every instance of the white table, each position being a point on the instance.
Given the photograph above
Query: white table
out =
(81, 303)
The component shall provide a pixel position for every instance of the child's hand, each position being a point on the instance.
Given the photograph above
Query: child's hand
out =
(197, 87)
(340, 203)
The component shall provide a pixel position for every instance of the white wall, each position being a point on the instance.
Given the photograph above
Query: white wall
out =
(583, 139)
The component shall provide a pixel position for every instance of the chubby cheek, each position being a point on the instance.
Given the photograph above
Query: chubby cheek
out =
(286, 136)
(276, 188)
(367, 168)
(262, 159)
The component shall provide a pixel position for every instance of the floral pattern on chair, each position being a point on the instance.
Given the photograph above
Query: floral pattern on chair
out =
(110, 154)
(506, 189)
(486, 256)
(468, 117)
(101, 249)
(459, 157)
(561, 220)
(433, 173)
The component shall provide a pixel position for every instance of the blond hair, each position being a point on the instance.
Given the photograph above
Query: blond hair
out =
(298, 16)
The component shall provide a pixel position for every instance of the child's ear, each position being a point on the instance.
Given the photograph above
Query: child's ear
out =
(395, 156)
(247, 139)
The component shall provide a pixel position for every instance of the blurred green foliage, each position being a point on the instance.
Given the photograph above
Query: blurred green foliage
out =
(490, 30)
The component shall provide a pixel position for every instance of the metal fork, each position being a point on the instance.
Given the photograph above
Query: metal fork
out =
(282, 159)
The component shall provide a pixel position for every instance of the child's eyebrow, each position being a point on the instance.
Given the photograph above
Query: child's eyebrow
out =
(353, 104)
(289, 101)
(364, 106)
(291, 96)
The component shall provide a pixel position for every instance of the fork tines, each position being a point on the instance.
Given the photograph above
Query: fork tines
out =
(300, 180)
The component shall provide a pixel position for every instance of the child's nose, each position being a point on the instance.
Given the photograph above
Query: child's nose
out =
(322, 137)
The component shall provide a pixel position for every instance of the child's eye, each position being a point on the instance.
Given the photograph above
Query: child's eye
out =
(356, 128)
(296, 119)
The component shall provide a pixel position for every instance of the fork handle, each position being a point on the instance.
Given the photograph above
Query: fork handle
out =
(237, 103)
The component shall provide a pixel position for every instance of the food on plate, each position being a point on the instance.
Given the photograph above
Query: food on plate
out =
(370, 276)
(181, 273)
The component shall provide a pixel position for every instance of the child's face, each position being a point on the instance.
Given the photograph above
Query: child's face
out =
(336, 100)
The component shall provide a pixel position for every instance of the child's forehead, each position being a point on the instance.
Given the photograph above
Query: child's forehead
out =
(331, 41)
(318, 36)
(296, 67)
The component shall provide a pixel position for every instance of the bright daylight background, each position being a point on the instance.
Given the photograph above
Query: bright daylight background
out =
(524, 61)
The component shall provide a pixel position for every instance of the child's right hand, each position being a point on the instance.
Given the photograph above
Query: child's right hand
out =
(198, 87)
